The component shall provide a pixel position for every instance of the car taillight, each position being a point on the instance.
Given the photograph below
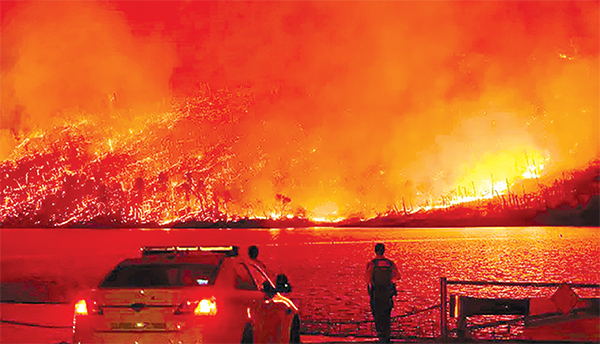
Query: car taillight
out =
(81, 308)
(202, 307)
(86, 307)
(206, 307)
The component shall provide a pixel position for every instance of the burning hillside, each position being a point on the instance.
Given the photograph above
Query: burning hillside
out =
(166, 170)
(341, 111)
(171, 171)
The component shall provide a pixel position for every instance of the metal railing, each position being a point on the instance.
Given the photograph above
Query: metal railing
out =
(358, 328)
(31, 324)
(28, 324)
(444, 283)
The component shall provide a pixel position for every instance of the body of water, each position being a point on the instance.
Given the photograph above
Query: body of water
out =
(325, 265)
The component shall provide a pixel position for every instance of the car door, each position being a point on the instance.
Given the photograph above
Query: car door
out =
(270, 312)
(258, 306)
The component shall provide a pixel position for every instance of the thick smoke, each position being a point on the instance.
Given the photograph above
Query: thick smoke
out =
(358, 105)
(63, 61)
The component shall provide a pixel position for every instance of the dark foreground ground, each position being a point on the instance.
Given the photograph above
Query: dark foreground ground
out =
(55, 320)
(50, 324)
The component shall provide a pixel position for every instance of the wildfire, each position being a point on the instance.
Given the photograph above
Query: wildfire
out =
(353, 111)
(75, 175)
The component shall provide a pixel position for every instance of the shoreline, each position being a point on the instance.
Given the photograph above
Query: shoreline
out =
(587, 215)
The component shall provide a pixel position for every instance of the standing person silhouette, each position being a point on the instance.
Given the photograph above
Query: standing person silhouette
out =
(253, 254)
(279, 279)
(380, 276)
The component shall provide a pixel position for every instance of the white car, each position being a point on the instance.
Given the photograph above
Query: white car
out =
(187, 294)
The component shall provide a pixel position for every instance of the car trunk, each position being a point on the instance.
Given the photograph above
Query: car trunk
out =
(144, 309)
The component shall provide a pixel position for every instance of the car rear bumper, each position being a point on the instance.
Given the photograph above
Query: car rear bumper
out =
(193, 333)
(185, 337)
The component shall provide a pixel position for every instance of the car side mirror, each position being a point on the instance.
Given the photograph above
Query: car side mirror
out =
(268, 288)
(282, 285)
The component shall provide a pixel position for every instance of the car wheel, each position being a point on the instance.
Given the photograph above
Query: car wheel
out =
(295, 331)
(248, 335)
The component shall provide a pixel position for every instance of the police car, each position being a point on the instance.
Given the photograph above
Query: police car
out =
(186, 294)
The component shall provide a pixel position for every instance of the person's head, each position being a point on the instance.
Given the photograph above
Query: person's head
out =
(253, 252)
(380, 249)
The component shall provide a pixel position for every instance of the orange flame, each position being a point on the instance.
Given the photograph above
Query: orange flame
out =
(347, 110)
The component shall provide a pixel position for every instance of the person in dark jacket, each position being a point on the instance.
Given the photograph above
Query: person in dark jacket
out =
(281, 281)
(380, 276)
(253, 255)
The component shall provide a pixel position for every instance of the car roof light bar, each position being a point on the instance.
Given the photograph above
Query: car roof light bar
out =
(230, 251)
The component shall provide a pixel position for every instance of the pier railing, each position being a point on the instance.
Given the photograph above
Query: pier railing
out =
(492, 306)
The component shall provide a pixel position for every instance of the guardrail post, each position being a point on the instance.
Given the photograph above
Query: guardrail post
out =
(443, 297)
(461, 326)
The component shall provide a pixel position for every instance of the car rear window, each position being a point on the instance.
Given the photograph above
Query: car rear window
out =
(160, 276)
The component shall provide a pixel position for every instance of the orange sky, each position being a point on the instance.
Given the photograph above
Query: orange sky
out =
(357, 104)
